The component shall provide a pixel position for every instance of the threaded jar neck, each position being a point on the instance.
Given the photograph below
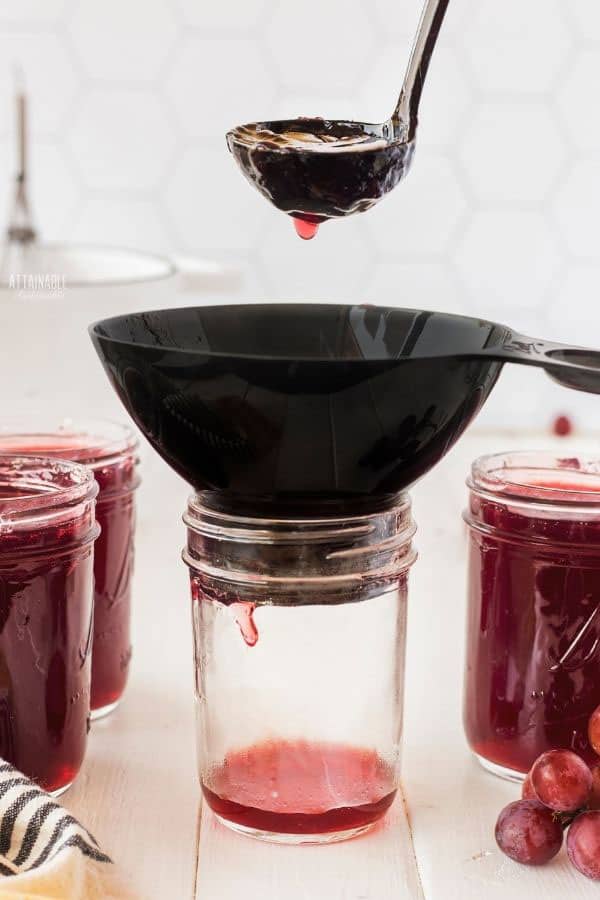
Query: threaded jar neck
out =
(298, 560)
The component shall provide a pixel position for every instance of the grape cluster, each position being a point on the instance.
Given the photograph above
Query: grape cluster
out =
(560, 792)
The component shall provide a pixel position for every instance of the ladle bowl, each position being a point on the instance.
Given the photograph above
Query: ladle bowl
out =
(305, 403)
(314, 184)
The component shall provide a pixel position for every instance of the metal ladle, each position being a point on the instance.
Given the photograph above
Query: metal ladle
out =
(316, 169)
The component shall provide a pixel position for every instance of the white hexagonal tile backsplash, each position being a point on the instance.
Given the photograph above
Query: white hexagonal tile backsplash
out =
(578, 98)
(333, 266)
(209, 204)
(577, 208)
(38, 12)
(513, 153)
(508, 261)
(218, 82)
(122, 139)
(404, 226)
(130, 101)
(586, 15)
(325, 45)
(114, 43)
(51, 77)
(517, 46)
(229, 15)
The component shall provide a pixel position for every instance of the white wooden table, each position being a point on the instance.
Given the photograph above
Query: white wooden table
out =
(138, 791)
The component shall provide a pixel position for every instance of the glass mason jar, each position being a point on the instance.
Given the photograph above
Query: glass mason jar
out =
(47, 532)
(533, 629)
(299, 632)
(111, 452)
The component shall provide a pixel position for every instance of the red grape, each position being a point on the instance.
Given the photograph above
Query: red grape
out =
(594, 730)
(562, 426)
(528, 832)
(527, 791)
(583, 844)
(561, 780)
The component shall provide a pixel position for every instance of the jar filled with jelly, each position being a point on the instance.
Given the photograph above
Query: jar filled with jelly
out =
(110, 450)
(47, 533)
(533, 628)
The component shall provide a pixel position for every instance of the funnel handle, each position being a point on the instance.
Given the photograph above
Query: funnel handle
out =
(573, 367)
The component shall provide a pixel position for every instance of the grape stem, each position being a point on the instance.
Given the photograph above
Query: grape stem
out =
(567, 818)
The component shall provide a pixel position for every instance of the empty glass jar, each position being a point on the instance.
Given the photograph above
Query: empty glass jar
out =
(299, 633)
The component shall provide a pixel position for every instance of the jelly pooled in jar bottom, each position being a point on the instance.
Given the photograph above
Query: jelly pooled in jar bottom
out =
(297, 789)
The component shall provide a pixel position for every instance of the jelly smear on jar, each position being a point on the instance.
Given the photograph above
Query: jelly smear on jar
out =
(299, 787)
(243, 613)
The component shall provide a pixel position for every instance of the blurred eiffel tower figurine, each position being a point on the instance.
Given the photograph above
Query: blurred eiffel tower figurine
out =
(20, 233)
(20, 226)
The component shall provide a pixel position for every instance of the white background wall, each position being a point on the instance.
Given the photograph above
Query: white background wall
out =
(499, 217)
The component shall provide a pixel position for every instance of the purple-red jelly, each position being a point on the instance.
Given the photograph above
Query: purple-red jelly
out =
(111, 452)
(302, 788)
(533, 633)
(47, 531)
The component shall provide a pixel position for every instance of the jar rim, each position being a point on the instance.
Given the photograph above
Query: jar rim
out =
(530, 476)
(92, 442)
(43, 485)
(204, 518)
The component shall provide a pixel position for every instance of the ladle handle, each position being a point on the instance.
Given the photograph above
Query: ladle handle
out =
(573, 367)
(407, 108)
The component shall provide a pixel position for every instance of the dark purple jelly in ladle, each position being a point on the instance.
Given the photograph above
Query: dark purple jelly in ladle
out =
(316, 169)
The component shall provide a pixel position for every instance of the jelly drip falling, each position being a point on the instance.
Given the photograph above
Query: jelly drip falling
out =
(305, 229)
(243, 613)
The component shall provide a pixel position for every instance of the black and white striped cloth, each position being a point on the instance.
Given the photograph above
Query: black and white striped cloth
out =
(34, 828)
(45, 853)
